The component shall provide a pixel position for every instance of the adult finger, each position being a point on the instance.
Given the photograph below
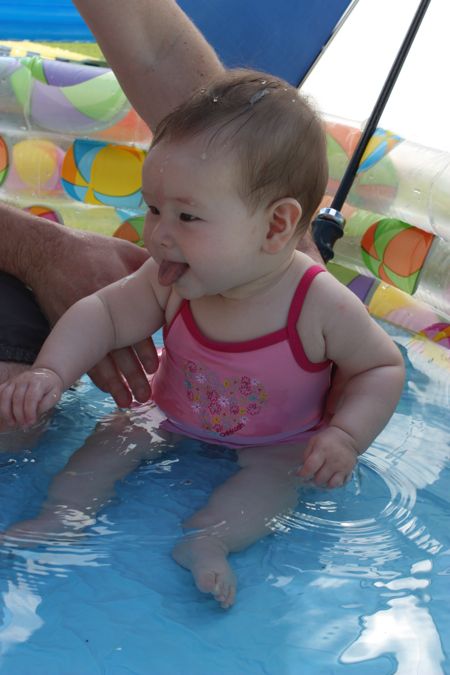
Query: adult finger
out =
(107, 378)
(6, 391)
(147, 355)
(131, 370)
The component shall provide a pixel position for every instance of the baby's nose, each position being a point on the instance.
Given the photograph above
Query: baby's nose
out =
(161, 234)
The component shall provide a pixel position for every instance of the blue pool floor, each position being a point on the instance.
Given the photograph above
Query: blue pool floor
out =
(356, 580)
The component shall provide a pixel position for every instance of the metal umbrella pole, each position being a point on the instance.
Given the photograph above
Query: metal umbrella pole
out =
(329, 224)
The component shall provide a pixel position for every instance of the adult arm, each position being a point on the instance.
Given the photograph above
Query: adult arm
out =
(62, 265)
(120, 314)
(157, 54)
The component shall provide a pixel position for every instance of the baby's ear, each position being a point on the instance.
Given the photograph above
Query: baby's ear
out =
(284, 216)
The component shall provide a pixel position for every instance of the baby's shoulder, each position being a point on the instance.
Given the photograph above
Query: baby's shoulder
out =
(330, 293)
(327, 304)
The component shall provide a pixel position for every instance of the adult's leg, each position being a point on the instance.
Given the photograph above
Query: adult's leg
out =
(23, 326)
(23, 329)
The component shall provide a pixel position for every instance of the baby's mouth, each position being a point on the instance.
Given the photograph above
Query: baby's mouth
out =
(170, 272)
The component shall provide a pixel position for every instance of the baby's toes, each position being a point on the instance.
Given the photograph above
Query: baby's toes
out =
(206, 581)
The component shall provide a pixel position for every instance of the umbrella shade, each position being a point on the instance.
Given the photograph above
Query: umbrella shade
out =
(283, 37)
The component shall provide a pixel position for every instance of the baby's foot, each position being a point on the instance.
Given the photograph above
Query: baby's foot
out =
(206, 558)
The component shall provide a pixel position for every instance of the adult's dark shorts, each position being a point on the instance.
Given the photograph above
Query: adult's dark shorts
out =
(23, 327)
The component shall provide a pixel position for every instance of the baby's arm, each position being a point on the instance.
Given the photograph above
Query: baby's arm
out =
(116, 316)
(366, 387)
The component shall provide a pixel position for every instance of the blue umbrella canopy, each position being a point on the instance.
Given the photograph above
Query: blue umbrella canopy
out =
(283, 37)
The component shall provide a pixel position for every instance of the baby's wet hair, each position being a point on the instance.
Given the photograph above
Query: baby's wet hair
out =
(276, 134)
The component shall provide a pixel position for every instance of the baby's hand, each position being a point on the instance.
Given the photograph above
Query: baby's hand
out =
(329, 458)
(25, 397)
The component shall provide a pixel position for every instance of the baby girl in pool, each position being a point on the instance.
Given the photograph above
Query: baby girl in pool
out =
(264, 351)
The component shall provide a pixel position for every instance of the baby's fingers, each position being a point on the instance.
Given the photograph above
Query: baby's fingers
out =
(24, 404)
(337, 480)
(49, 400)
(41, 395)
(312, 465)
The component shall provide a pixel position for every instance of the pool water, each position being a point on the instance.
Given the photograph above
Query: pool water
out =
(356, 580)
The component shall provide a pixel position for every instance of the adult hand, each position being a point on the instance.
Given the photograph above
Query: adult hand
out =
(77, 264)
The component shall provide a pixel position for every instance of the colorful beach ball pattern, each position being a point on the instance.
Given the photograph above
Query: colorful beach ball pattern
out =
(131, 229)
(439, 333)
(103, 173)
(67, 97)
(381, 143)
(35, 166)
(395, 252)
(376, 177)
(44, 212)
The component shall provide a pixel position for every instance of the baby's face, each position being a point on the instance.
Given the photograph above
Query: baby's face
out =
(198, 228)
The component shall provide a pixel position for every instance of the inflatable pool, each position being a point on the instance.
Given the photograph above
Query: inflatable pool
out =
(72, 148)
(354, 580)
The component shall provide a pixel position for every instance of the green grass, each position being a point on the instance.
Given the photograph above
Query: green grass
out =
(90, 49)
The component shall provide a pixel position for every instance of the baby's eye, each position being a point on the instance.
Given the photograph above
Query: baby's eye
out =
(153, 210)
(187, 217)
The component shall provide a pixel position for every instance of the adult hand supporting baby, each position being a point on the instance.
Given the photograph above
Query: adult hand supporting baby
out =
(329, 458)
(87, 262)
(70, 265)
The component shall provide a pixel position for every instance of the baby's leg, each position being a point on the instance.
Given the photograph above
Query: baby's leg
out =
(238, 513)
(82, 488)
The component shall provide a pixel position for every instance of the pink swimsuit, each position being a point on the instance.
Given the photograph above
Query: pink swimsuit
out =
(259, 392)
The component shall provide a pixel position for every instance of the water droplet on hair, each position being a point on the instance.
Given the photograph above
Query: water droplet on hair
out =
(215, 99)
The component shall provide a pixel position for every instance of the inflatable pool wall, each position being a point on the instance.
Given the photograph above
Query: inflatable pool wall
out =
(72, 148)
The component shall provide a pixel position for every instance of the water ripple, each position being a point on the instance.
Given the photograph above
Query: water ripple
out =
(361, 529)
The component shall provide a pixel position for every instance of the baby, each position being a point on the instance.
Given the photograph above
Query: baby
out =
(265, 352)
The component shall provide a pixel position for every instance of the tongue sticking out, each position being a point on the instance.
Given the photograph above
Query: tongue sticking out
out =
(170, 272)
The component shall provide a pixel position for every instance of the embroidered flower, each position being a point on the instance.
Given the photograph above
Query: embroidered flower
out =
(245, 386)
(214, 408)
(224, 405)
